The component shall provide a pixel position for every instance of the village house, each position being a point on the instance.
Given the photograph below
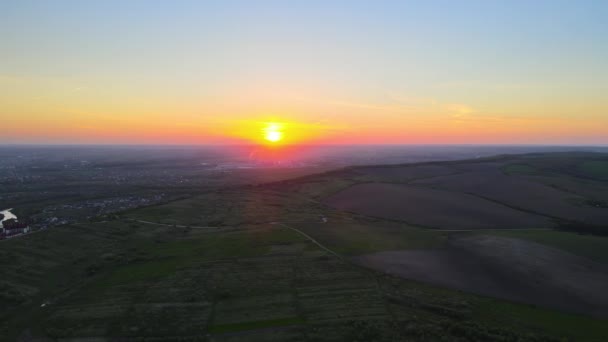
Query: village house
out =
(11, 228)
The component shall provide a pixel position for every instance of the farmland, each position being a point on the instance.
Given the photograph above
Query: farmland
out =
(412, 204)
(260, 282)
(504, 268)
(549, 186)
(595, 168)
(281, 261)
(589, 246)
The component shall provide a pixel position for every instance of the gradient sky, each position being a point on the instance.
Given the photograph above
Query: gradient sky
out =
(207, 72)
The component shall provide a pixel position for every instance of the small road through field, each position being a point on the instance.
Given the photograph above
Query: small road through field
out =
(273, 223)
(311, 239)
(175, 225)
(488, 230)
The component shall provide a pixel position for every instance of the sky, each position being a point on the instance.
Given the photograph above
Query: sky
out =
(327, 72)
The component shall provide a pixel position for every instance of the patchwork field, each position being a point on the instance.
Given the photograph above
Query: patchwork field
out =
(451, 210)
(284, 262)
(595, 169)
(260, 283)
(505, 268)
(511, 202)
(524, 194)
(406, 173)
(590, 246)
(541, 191)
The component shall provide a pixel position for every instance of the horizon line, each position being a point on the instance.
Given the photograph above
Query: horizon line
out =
(294, 145)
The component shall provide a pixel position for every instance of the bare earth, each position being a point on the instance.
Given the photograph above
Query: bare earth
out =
(505, 268)
(432, 208)
(406, 173)
(524, 193)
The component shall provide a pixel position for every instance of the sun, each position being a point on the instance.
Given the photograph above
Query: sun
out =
(273, 132)
(273, 136)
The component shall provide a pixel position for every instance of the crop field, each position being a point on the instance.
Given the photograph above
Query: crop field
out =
(589, 189)
(322, 187)
(589, 246)
(519, 169)
(548, 188)
(412, 204)
(257, 284)
(221, 209)
(505, 268)
(523, 194)
(535, 185)
(273, 263)
(596, 169)
(401, 174)
(359, 236)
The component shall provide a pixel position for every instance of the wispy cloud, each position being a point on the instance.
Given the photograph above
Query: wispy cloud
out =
(458, 109)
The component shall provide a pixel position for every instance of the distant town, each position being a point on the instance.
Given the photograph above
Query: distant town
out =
(58, 185)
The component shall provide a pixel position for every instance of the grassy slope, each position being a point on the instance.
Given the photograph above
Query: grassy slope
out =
(140, 280)
(229, 280)
(515, 169)
(590, 246)
(360, 237)
(595, 168)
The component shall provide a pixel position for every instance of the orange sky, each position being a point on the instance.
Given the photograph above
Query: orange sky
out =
(83, 118)
(329, 72)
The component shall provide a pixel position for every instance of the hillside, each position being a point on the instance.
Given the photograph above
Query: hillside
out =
(363, 253)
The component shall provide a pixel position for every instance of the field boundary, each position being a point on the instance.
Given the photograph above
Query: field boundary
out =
(327, 249)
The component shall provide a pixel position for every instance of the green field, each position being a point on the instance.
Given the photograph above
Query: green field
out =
(359, 236)
(140, 280)
(592, 247)
(265, 263)
(595, 168)
(519, 169)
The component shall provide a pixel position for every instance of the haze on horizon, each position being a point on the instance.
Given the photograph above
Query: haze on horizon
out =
(326, 72)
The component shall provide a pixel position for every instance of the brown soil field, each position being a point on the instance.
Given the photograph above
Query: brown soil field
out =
(485, 166)
(523, 193)
(406, 173)
(431, 208)
(583, 187)
(507, 268)
(464, 181)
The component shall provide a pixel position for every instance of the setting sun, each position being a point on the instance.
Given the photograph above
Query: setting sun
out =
(273, 132)
(274, 136)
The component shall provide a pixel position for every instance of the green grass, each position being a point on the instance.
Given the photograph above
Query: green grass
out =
(163, 258)
(590, 246)
(171, 268)
(355, 238)
(204, 210)
(141, 272)
(595, 168)
(324, 187)
(489, 312)
(558, 324)
(170, 282)
(224, 328)
(514, 169)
